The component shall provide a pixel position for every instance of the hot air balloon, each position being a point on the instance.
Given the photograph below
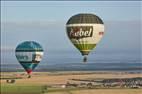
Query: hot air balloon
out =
(29, 54)
(85, 31)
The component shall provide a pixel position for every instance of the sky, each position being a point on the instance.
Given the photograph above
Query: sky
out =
(44, 22)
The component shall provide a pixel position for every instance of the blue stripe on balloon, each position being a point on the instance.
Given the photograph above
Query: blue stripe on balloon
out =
(29, 46)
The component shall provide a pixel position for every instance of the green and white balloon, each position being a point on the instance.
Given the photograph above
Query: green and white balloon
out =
(85, 31)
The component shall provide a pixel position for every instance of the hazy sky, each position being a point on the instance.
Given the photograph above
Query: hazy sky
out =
(44, 22)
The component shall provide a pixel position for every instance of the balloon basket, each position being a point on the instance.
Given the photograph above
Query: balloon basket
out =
(85, 59)
(29, 76)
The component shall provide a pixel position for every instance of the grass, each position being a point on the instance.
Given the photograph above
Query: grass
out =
(35, 89)
(97, 91)
(20, 89)
(108, 91)
(63, 89)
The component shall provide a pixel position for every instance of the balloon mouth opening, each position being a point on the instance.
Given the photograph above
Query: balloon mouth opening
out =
(29, 71)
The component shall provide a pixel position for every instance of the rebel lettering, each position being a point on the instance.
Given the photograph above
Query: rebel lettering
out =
(80, 31)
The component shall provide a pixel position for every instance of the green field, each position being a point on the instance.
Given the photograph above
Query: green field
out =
(32, 89)
(35, 89)
(21, 89)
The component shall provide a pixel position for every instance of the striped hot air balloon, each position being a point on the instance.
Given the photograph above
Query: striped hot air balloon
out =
(29, 54)
(85, 31)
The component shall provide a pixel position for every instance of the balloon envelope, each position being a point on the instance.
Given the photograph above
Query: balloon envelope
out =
(29, 54)
(85, 31)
